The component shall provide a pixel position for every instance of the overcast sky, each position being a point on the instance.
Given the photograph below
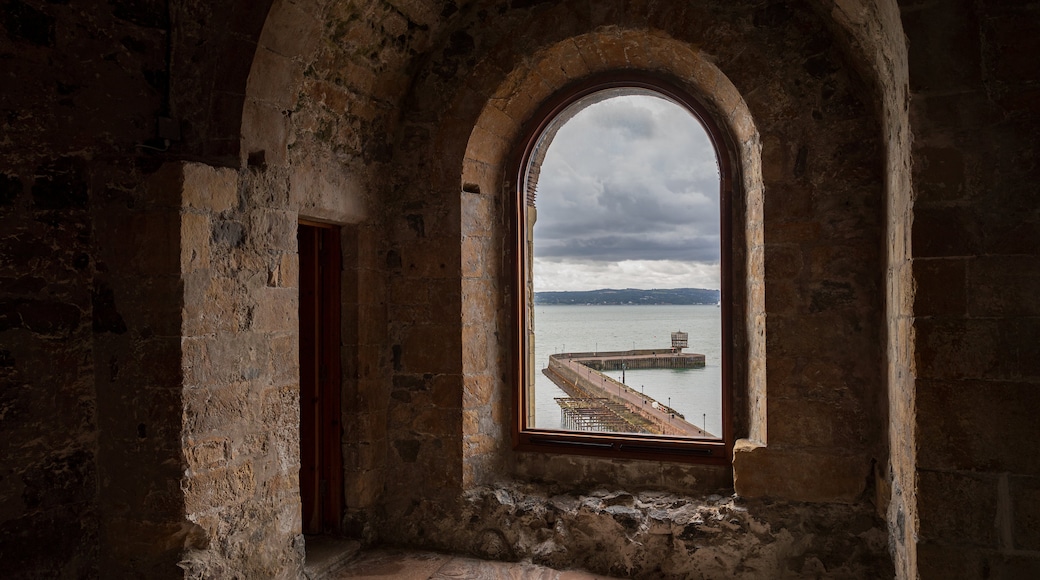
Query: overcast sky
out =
(628, 197)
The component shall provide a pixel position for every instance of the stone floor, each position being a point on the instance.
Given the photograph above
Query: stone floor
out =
(387, 564)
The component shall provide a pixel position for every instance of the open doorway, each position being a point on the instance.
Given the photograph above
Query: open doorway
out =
(321, 456)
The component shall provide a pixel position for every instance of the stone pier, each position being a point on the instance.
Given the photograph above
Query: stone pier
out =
(598, 402)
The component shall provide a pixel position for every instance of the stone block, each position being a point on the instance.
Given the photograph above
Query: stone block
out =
(152, 306)
(1016, 236)
(1025, 513)
(842, 262)
(209, 188)
(372, 360)
(474, 349)
(760, 471)
(154, 363)
(195, 234)
(277, 310)
(1020, 348)
(488, 145)
(610, 49)
(427, 420)
(966, 426)
(494, 120)
(805, 337)
(957, 508)
(1013, 566)
(588, 49)
(284, 271)
(941, 562)
(478, 305)
(810, 423)
(370, 325)
(479, 174)
(793, 232)
(284, 358)
(273, 230)
(274, 79)
(473, 249)
(363, 490)
(419, 354)
(941, 287)
(217, 411)
(784, 261)
(265, 129)
(478, 391)
(477, 214)
(446, 391)
(945, 232)
(478, 445)
(279, 412)
(147, 547)
(635, 474)
(292, 30)
(432, 258)
(213, 304)
(958, 349)
(154, 243)
(700, 477)
(248, 446)
(219, 487)
(207, 454)
(1003, 286)
(1008, 39)
(939, 173)
(945, 53)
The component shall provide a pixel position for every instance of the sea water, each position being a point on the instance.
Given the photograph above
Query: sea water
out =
(696, 393)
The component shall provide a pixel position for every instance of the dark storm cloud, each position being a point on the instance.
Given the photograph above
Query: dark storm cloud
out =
(611, 248)
(630, 178)
(623, 116)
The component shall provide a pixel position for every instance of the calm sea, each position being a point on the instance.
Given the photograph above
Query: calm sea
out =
(696, 393)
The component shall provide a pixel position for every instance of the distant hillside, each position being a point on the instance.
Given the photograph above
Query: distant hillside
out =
(630, 296)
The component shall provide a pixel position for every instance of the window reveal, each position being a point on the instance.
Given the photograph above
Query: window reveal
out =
(601, 409)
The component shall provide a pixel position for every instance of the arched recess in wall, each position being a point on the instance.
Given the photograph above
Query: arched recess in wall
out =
(289, 38)
(486, 188)
(210, 67)
(324, 184)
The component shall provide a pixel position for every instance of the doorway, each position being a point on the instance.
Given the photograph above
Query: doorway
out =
(321, 456)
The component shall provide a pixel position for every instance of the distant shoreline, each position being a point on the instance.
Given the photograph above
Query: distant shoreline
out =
(630, 297)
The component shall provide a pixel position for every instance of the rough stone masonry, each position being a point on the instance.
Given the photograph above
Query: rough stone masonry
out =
(156, 158)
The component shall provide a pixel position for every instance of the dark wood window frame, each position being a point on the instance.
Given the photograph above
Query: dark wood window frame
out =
(603, 444)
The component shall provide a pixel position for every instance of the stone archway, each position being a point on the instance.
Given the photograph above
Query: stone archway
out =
(489, 155)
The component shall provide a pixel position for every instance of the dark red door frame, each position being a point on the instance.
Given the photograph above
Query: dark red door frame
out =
(321, 456)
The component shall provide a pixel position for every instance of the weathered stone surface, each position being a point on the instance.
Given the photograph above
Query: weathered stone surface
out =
(761, 471)
(974, 524)
(208, 188)
(886, 223)
(664, 535)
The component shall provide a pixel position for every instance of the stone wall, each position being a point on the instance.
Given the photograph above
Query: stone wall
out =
(147, 297)
(48, 420)
(818, 408)
(975, 246)
(240, 343)
(660, 535)
(817, 250)
(78, 96)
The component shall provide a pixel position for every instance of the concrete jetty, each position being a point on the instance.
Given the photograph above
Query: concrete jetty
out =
(597, 402)
(637, 359)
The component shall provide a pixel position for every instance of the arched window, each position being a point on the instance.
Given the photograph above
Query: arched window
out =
(623, 265)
